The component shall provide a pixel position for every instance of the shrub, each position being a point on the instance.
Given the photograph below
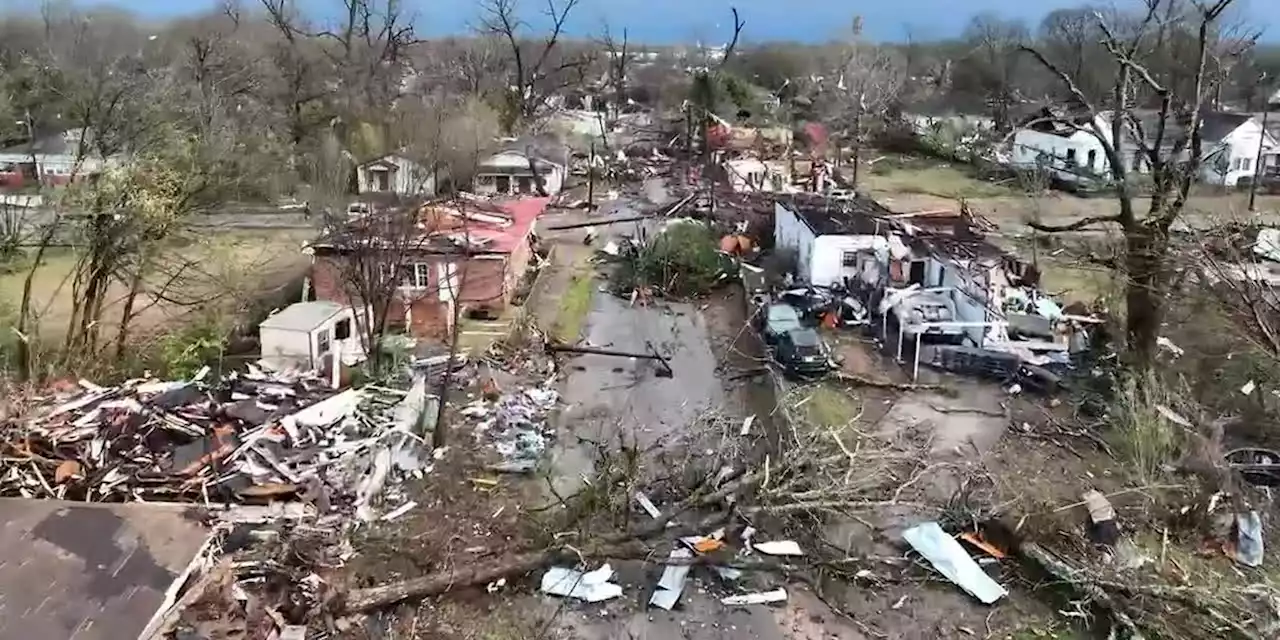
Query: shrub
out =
(682, 261)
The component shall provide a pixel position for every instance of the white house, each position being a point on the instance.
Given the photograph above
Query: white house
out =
(752, 174)
(1068, 149)
(56, 158)
(394, 173)
(512, 170)
(578, 122)
(304, 334)
(857, 242)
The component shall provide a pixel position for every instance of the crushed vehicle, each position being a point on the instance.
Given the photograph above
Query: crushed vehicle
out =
(814, 303)
(794, 345)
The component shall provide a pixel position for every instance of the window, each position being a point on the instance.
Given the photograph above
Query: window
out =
(323, 342)
(1137, 161)
(1246, 164)
(484, 180)
(917, 273)
(1093, 157)
(412, 275)
(849, 259)
(526, 184)
(342, 329)
(1071, 157)
(503, 184)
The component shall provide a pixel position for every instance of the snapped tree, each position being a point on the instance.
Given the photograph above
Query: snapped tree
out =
(1170, 144)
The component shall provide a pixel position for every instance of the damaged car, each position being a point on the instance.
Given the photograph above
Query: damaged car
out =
(794, 345)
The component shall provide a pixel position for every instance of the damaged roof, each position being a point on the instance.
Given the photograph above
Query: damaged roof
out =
(830, 217)
(89, 571)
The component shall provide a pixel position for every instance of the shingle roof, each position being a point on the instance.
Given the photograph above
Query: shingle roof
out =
(829, 216)
(89, 571)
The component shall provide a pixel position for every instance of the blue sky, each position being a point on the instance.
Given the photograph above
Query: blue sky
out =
(686, 20)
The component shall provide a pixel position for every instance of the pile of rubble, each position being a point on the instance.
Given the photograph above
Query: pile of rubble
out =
(248, 438)
(516, 426)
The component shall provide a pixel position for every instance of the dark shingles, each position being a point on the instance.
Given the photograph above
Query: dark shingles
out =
(829, 216)
(92, 572)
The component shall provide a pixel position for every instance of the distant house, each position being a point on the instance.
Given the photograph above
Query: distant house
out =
(752, 174)
(521, 165)
(1065, 146)
(474, 255)
(395, 173)
(579, 122)
(55, 158)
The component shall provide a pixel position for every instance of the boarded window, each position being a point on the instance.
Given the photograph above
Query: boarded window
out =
(849, 259)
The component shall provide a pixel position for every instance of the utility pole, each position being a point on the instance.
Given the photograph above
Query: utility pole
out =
(1258, 171)
(857, 137)
(591, 177)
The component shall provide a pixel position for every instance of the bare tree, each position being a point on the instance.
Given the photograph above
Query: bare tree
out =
(993, 67)
(870, 81)
(1170, 144)
(535, 70)
(619, 58)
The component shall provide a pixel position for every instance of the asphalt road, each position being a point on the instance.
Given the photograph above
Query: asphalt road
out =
(612, 399)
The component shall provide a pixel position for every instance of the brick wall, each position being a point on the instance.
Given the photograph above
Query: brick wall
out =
(486, 283)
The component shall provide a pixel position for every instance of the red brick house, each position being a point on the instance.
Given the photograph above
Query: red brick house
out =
(474, 253)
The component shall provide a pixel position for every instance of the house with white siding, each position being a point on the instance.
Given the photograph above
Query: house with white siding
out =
(521, 165)
(55, 158)
(1066, 147)
(398, 174)
(869, 249)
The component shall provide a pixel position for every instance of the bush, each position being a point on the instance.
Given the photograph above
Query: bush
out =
(184, 352)
(682, 261)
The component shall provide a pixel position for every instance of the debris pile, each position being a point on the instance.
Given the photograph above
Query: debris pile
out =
(248, 438)
(516, 426)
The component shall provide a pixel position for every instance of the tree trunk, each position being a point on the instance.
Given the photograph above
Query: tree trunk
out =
(126, 314)
(1145, 256)
(440, 437)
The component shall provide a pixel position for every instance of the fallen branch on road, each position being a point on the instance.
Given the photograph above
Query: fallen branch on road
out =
(860, 381)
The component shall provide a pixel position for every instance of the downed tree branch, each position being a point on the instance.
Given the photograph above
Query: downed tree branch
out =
(884, 384)
(1070, 576)
(1074, 226)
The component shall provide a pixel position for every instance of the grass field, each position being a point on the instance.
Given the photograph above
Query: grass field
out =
(222, 271)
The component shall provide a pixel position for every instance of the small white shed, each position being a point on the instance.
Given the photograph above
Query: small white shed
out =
(303, 333)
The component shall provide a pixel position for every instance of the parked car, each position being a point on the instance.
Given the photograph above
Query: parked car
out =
(774, 320)
(795, 346)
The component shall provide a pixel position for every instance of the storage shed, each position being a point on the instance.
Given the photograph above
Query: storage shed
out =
(304, 333)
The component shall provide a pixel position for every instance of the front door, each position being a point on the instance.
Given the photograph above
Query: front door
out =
(525, 184)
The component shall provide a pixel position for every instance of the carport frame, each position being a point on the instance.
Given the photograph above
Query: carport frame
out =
(925, 326)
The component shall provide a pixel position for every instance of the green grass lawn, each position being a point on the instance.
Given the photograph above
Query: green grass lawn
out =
(942, 180)
(574, 306)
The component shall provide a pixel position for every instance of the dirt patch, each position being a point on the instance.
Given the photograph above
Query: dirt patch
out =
(463, 515)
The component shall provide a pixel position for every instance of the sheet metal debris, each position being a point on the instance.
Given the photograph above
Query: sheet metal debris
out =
(763, 597)
(949, 558)
(592, 586)
(671, 584)
(779, 548)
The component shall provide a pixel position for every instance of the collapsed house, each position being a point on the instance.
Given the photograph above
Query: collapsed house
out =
(473, 253)
(943, 293)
